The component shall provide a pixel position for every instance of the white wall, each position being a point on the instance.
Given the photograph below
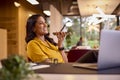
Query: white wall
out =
(56, 21)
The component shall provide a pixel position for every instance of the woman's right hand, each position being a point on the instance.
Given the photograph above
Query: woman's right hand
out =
(60, 36)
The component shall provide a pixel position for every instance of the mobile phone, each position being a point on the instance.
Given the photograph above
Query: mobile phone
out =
(64, 26)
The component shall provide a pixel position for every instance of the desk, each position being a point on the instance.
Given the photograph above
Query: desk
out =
(77, 77)
(67, 68)
(67, 72)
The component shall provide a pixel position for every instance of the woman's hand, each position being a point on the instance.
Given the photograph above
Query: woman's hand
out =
(60, 36)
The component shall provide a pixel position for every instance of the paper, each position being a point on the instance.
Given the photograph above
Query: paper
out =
(38, 67)
(32, 64)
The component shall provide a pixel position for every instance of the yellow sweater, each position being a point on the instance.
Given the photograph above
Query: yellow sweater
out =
(38, 51)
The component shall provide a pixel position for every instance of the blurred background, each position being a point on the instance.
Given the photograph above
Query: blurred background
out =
(82, 18)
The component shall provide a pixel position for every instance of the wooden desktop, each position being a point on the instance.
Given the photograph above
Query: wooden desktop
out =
(67, 72)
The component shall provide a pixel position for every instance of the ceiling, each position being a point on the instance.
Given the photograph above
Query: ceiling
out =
(88, 7)
(82, 7)
(65, 7)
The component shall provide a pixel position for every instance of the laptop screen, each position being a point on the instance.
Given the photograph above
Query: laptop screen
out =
(109, 51)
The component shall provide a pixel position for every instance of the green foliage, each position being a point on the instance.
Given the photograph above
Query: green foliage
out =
(68, 37)
(14, 68)
(80, 27)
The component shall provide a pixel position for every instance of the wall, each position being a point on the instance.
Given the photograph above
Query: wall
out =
(3, 44)
(13, 19)
(9, 21)
(56, 21)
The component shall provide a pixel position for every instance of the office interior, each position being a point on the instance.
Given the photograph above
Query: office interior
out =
(85, 16)
(14, 14)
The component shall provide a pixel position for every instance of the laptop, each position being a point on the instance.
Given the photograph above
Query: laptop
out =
(109, 51)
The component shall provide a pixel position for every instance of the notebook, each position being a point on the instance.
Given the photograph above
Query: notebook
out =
(109, 51)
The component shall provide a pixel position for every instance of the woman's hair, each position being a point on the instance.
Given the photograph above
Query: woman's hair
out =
(30, 34)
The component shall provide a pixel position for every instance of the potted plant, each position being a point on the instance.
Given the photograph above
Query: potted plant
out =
(15, 68)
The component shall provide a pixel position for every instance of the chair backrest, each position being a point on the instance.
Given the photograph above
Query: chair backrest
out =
(89, 57)
(75, 54)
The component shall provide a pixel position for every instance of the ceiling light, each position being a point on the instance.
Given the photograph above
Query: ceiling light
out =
(102, 17)
(17, 4)
(69, 24)
(100, 10)
(99, 21)
(29, 15)
(105, 16)
(47, 12)
(33, 2)
(74, 2)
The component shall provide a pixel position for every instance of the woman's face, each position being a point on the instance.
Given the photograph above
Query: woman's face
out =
(40, 26)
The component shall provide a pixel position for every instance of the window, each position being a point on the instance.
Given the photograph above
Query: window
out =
(85, 28)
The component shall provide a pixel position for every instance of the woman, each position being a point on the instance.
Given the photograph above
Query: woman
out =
(41, 48)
